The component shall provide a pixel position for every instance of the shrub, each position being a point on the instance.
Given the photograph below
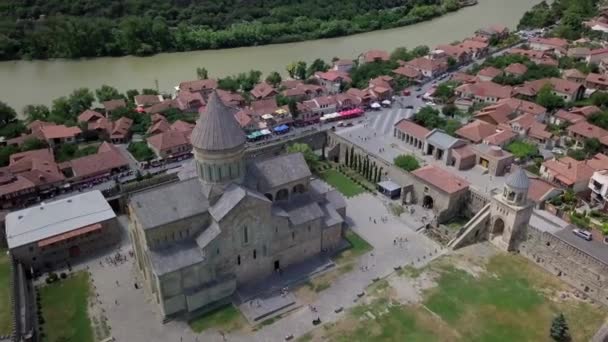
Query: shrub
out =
(406, 162)
(63, 275)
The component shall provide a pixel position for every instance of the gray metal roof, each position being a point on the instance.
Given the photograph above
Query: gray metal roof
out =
(336, 199)
(518, 179)
(217, 128)
(50, 219)
(547, 222)
(442, 140)
(208, 235)
(230, 198)
(280, 170)
(169, 203)
(330, 216)
(175, 257)
(302, 209)
(389, 185)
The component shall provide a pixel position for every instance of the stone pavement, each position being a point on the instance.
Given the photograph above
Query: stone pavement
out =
(132, 314)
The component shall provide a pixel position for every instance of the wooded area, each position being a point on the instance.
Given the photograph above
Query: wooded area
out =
(90, 28)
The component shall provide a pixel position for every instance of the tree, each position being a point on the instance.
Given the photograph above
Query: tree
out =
(6, 152)
(274, 79)
(592, 146)
(429, 118)
(444, 91)
(547, 99)
(599, 98)
(317, 65)
(449, 110)
(421, 50)
(36, 112)
(291, 69)
(148, 91)
(106, 93)
(33, 144)
(202, 74)
(7, 114)
(406, 162)
(403, 54)
(293, 108)
(80, 100)
(131, 93)
(559, 329)
(301, 70)
(310, 157)
(346, 155)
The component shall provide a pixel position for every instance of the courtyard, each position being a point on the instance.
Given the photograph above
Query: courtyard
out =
(476, 294)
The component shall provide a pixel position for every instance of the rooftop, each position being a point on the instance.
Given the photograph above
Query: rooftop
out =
(441, 179)
(50, 219)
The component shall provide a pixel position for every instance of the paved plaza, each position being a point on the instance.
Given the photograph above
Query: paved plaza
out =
(132, 316)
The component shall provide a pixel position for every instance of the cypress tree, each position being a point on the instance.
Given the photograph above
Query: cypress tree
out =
(346, 158)
(352, 156)
(559, 329)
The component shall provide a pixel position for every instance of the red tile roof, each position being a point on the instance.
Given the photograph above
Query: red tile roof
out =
(476, 131)
(587, 130)
(598, 162)
(486, 89)
(568, 170)
(413, 129)
(490, 72)
(263, 90)
(182, 126)
(89, 116)
(121, 128)
(198, 85)
(538, 189)
(168, 140)
(516, 69)
(500, 138)
(568, 117)
(147, 100)
(333, 76)
(112, 105)
(159, 127)
(373, 55)
(59, 131)
(586, 111)
(573, 73)
(107, 158)
(441, 179)
(597, 79)
(552, 42)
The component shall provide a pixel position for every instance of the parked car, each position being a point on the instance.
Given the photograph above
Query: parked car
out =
(418, 89)
(406, 93)
(583, 234)
(409, 107)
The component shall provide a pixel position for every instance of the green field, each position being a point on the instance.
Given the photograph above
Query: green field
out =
(342, 183)
(225, 319)
(5, 301)
(513, 300)
(64, 309)
(522, 149)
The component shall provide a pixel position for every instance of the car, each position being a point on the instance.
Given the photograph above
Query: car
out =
(418, 89)
(341, 124)
(409, 107)
(583, 234)
(429, 103)
(406, 93)
(418, 96)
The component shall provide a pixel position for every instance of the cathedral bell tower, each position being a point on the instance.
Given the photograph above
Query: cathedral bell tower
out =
(510, 212)
(218, 144)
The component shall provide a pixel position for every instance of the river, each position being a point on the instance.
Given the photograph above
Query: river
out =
(39, 82)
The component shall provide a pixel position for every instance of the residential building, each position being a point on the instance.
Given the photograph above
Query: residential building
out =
(558, 45)
(106, 163)
(373, 56)
(112, 105)
(493, 31)
(541, 191)
(567, 90)
(516, 69)
(332, 80)
(343, 65)
(205, 87)
(440, 145)
(567, 172)
(574, 75)
(596, 82)
(488, 73)
(483, 91)
(55, 234)
(189, 102)
(121, 130)
(493, 159)
(562, 117)
(596, 55)
(262, 91)
(55, 135)
(583, 130)
(170, 144)
(428, 67)
(501, 138)
(410, 133)
(476, 131)
(408, 72)
(579, 53)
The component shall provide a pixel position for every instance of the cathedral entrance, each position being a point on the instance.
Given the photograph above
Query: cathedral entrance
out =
(427, 202)
(498, 229)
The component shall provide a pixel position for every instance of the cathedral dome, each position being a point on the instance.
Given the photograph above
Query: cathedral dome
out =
(518, 180)
(217, 128)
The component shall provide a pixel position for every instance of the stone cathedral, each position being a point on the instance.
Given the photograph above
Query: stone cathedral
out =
(234, 221)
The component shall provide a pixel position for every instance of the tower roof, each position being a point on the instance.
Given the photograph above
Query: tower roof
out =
(217, 129)
(518, 179)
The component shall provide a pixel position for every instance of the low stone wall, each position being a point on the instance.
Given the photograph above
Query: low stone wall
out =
(572, 265)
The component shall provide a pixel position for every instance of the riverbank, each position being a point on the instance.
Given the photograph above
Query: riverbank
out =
(26, 82)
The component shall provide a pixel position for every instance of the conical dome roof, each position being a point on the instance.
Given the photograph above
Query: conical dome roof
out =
(217, 128)
(518, 180)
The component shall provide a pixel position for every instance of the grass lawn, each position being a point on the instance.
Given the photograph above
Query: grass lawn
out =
(522, 149)
(64, 309)
(513, 300)
(226, 319)
(342, 183)
(5, 301)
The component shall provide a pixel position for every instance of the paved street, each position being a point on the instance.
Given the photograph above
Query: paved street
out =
(132, 315)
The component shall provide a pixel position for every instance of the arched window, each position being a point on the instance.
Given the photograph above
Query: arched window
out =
(245, 235)
(264, 251)
(238, 260)
(269, 196)
(255, 254)
(282, 194)
(299, 189)
(293, 235)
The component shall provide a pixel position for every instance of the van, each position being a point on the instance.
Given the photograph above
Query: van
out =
(583, 234)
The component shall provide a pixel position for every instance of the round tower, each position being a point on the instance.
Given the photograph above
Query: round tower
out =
(516, 188)
(219, 144)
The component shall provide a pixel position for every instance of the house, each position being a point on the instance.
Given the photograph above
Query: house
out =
(457, 52)
(585, 111)
(230, 99)
(190, 102)
(410, 133)
(170, 144)
(559, 45)
(322, 105)
(429, 67)
(562, 117)
(245, 118)
(476, 131)
(343, 65)
(205, 87)
(596, 55)
(55, 135)
(264, 107)
(332, 80)
(540, 191)
(501, 138)
(381, 87)
(373, 56)
(483, 91)
(477, 48)
(583, 130)
(598, 184)
(508, 109)
(108, 161)
(538, 57)
(408, 72)
(578, 53)
(161, 107)
(567, 90)
(112, 105)
(596, 81)
(461, 77)
(145, 101)
(300, 91)
(574, 75)
(488, 73)
(516, 69)
(440, 145)
(121, 130)
(603, 66)
(539, 134)
(159, 126)
(182, 126)
(567, 172)
(263, 90)
(89, 116)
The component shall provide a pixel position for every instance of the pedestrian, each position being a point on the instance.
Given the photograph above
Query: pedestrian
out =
(374, 221)
(394, 242)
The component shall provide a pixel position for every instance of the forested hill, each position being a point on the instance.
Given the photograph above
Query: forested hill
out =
(90, 28)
